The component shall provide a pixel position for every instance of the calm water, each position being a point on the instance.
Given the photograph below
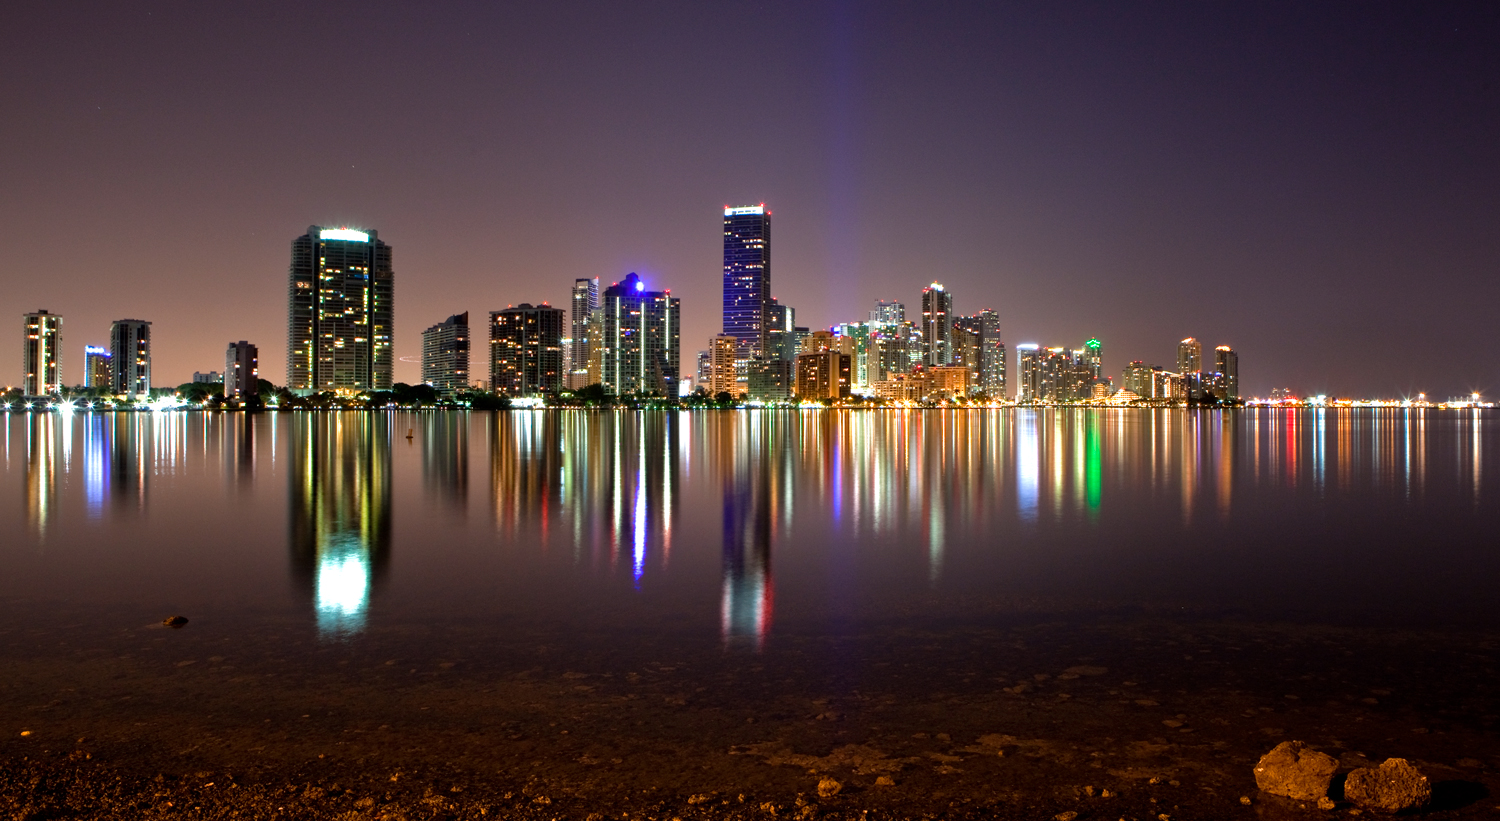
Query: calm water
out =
(745, 527)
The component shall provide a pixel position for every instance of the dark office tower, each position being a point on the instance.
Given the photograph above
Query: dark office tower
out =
(893, 313)
(1189, 356)
(781, 332)
(130, 351)
(41, 357)
(747, 276)
(639, 342)
(241, 371)
(526, 350)
(96, 367)
(585, 303)
(1227, 363)
(445, 354)
(937, 325)
(339, 322)
(967, 339)
(1139, 380)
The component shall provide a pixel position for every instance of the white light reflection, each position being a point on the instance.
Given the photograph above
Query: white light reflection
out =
(1027, 464)
(343, 587)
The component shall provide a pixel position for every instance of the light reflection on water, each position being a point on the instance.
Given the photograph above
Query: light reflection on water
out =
(880, 502)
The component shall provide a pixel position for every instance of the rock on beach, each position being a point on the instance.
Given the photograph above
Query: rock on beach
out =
(1394, 786)
(1296, 771)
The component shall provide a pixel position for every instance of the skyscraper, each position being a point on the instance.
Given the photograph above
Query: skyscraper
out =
(892, 312)
(41, 357)
(1227, 363)
(339, 319)
(1093, 358)
(992, 355)
(639, 344)
(1189, 356)
(747, 276)
(937, 325)
(721, 370)
(585, 303)
(96, 367)
(445, 354)
(526, 350)
(130, 353)
(241, 371)
(1029, 373)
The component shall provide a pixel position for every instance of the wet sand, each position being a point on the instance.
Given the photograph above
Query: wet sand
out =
(1107, 714)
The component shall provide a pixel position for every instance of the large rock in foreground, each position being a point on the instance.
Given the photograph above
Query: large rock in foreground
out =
(1392, 787)
(1295, 771)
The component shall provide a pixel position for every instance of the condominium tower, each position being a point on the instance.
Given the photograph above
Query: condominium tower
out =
(96, 367)
(241, 371)
(445, 354)
(130, 355)
(937, 325)
(747, 276)
(341, 292)
(639, 339)
(526, 350)
(585, 305)
(41, 355)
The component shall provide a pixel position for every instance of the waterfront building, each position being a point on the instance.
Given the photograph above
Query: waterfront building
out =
(96, 367)
(41, 356)
(585, 303)
(1028, 373)
(704, 373)
(1138, 379)
(1227, 363)
(130, 351)
(949, 381)
(445, 354)
(903, 387)
(747, 276)
(781, 332)
(992, 355)
(339, 319)
(241, 371)
(937, 325)
(1189, 356)
(640, 345)
(208, 377)
(526, 350)
(968, 346)
(770, 380)
(1092, 359)
(721, 366)
(823, 374)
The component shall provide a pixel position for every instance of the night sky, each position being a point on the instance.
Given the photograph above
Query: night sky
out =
(1315, 184)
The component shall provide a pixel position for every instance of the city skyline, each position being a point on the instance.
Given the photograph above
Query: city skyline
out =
(1138, 174)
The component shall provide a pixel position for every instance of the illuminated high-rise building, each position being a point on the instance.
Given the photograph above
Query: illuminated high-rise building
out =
(937, 325)
(96, 367)
(640, 340)
(747, 276)
(526, 350)
(339, 320)
(891, 312)
(445, 354)
(1227, 363)
(585, 303)
(721, 370)
(1092, 359)
(1139, 379)
(130, 352)
(781, 332)
(1029, 358)
(241, 371)
(41, 357)
(1189, 356)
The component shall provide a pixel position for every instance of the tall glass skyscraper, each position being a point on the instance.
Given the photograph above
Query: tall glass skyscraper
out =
(640, 341)
(339, 321)
(937, 325)
(747, 276)
(585, 304)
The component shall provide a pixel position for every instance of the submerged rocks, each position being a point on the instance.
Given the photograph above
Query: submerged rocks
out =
(174, 621)
(1296, 771)
(1394, 786)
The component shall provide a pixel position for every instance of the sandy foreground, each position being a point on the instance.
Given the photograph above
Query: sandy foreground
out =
(1104, 716)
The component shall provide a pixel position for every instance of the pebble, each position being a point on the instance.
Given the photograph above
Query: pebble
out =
(828, 788)
(174, 621)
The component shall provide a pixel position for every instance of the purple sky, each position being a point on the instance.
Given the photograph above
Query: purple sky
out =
(1314, 184)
